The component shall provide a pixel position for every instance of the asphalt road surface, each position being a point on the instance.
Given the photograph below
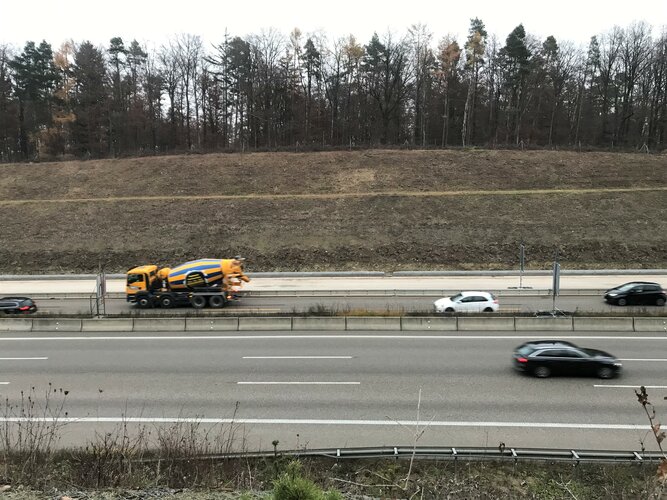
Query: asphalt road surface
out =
(334, 389)
(344, 305)
(341, 295)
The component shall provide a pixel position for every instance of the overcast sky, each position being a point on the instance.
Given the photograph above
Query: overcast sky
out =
(152, 22)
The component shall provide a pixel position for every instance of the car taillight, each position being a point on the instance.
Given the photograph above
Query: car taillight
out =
(24, 308)
(522, 360)
(495, 301)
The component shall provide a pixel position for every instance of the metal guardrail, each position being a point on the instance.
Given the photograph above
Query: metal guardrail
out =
(367, 274)
(456, 453)
(532, 292)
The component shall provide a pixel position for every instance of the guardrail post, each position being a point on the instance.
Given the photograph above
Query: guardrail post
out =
(514, 455)
(575, 455)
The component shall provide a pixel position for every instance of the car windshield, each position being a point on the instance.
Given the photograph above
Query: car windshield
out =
(625, 288)
(456, 297)
(134, 278)
(525, 350)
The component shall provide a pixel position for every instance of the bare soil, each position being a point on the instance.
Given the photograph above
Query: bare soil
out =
(368, 210)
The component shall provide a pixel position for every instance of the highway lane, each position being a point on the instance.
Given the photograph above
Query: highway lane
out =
(336, 389)
(471, 281)
(343, 305)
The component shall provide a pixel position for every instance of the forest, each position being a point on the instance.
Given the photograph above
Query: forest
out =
(299, 92)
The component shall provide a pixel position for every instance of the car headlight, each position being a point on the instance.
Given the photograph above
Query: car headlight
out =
(612, 294)
(618, 364)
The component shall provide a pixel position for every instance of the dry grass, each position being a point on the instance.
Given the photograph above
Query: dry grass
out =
(384, 210)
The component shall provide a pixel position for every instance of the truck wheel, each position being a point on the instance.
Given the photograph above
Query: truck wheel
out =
(216, 301)
(198, 302)
(144, 302)
(166, 302)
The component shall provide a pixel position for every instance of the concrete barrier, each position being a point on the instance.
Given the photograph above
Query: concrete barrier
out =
(372, 323)
(107, 325)
(436, 323)
(336, 323)
(484, 323)
(319, 323)
(651, 324)
(543, 324)
(15, 325)
(226, 324)
(263, 323)
(610, 324)
(159, 324)
(56, 325)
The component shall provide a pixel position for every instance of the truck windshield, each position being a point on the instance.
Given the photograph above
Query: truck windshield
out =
(134, 278)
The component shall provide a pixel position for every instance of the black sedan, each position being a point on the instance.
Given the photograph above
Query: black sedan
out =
(636, 293)
(543, 358)
(17, 305)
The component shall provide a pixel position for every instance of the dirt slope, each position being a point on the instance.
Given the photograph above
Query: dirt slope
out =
(382, 210)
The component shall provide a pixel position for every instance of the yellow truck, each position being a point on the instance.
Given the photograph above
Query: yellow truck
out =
(199, 283)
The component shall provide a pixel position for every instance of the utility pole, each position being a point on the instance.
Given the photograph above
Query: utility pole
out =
(555, 287)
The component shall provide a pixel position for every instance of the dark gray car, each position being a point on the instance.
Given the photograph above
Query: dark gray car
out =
(544, 358)
(17, 305)
(636, 293)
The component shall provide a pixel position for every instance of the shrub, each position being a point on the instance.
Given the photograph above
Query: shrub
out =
(291, 485)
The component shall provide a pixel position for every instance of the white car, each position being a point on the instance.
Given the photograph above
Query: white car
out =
(467, 302)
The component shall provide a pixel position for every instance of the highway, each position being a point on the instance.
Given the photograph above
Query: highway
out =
(266, 295)
(287, 284)
(343, 305)
(338, 389)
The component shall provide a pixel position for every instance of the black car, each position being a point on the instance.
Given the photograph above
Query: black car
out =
(636, 293)
(543, 358)
(17, 305)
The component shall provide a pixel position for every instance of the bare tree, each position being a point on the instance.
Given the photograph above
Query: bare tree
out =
(449, 54)
(474, 52)
(188, 53)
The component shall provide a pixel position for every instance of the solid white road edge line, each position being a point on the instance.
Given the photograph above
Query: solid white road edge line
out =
(638, 359)
(288, 421)
(4, 383)
(298, 357)
(329, 337)
(22, 359)
(610, 386)
(298, 383)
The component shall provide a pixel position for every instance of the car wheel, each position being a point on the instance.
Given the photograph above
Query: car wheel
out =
(622, 302)
(542, 371)
(166, 302)
(198, 302)
(488, 310)
(144, 302)
(660, 302)
(216, 301)
(605, 372)
(449, 310)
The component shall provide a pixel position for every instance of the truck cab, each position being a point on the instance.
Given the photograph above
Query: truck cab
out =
(140, 279)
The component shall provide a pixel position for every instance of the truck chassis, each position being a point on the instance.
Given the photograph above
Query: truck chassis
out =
(199, 298)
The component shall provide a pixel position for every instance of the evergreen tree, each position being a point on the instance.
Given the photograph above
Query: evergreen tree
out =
(35, 79)
(516, 62)
(90, 102)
